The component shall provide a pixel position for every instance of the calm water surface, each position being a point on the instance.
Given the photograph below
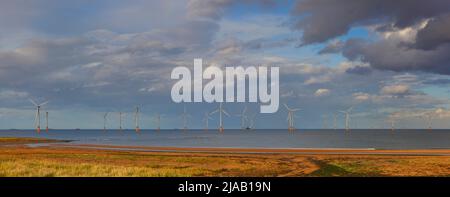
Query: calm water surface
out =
(379, 139)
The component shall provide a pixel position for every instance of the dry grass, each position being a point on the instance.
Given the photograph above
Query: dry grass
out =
(23, 161)
(392, 165)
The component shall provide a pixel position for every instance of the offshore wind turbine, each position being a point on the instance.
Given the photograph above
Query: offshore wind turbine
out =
(392, 121)
(221, 111)
(325, 121)
(429, 120)
(206, 120)
(136, 120)
(290, 117)
(334, 121)
(120, 121)
(158, 122)
(251, 122)
(37, 118)
(185, 116)
(244, 117)
(347, 117)
(105, 116)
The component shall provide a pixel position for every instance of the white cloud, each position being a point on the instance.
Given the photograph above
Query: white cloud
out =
(322, 92)
(361, 96)
(400, 89)
(407, 34)
(437, 113)
(318, 80)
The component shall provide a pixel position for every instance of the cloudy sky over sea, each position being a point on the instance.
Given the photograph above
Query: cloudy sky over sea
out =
(389, 59)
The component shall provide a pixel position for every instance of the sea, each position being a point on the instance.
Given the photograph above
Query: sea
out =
(264, 138)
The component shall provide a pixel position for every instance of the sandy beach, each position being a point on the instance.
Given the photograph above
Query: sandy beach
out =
(312, 151)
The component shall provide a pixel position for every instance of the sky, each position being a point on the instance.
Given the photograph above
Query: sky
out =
(388, 59)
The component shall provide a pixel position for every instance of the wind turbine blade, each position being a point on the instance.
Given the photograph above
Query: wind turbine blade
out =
(246, 118)
(286, 106)
(225, 112)
(44, 103)
(35, 119)
(213, 112)
(32, 101)
(350, 109)
(252, 124)
(296, 109)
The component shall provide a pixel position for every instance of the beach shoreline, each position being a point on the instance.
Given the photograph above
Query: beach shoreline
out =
(244, 150)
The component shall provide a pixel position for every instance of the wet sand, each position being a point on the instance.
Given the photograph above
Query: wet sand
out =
(324, 151)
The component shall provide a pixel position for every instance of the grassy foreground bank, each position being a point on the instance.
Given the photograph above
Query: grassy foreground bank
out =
(20, 160)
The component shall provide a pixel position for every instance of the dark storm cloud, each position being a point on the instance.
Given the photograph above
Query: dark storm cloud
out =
(359, 70)
(436, 33)
(391, 55)
(427, 50)
(321, 20)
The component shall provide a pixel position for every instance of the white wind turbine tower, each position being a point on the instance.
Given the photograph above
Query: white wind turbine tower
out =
(290, 117)
(428, 117)
(334, 121)
(221, 111)
(185, 116)
(325, 121)
(392, 121)
(244, 118)
(347, 117)
(206, 120)
(105, 116)
(251, 122)
(37, 118)
(120, 121)
(136, 120)
(158, 121)
(46, 121)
